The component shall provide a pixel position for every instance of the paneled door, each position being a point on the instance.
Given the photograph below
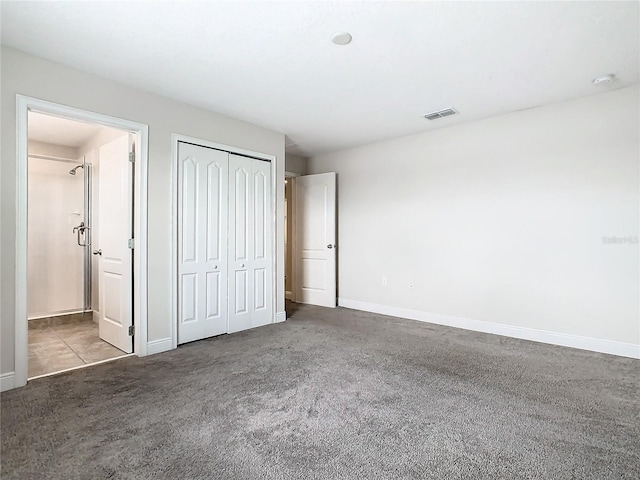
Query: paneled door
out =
(115, 194)
(250, 243)
(202, 242)
(315, 242)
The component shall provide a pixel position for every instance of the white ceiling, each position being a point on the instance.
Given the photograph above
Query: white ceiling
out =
(272, 63)
(60, 131)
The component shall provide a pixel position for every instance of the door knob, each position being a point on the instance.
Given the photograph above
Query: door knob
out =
(330, 246)
(97, 252)
(242, 265)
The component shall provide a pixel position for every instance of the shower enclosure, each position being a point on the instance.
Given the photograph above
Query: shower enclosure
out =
(83, 232)
(59, 251)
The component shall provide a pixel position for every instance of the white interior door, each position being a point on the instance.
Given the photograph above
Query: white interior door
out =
(115, 225)
(202, 242)
(250, 249)
(315, 242)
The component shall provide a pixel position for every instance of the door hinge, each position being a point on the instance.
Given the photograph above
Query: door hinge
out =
(132, 157)
(131, 243)
(132, 330)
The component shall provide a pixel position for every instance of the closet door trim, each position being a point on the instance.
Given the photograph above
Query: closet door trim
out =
(175, 139)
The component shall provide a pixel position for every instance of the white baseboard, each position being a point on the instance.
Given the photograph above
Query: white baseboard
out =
(60, 313)
(7, 381)
(554, 338)
(159, 346)
(281, 317)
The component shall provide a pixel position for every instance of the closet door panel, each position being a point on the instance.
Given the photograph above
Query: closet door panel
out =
(262, 270)
(240, 226)
(189, 303)
(250, 235)
(216, 180)
(241, 212)
(260, 209)
(214, 296)
(241, 298)
(189, 210)
(202, 242)
(259, 290)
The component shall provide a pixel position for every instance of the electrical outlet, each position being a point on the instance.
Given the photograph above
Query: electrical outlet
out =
(410, 284)
(384, 281)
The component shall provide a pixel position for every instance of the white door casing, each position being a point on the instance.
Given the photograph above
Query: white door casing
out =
(250, 265)
(202, 242)
(115, 263)
(24, 104)
(315, 242)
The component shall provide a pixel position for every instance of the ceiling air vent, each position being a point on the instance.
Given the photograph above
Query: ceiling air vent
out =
(446, 112)
(440, 113)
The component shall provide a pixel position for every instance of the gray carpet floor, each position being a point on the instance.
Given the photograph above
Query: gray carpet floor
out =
(333, 394)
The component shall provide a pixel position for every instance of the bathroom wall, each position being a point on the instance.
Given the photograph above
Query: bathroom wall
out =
(56, 264)
(49, 149)
(55, 261)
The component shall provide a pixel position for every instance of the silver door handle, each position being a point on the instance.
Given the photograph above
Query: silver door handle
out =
(97, 252)
(82, 230)
(330, 246)
(242, 265)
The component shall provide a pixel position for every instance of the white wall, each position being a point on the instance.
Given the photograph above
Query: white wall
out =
(295, 164)
(500, 220)
(51, 150)
(55, 261)
(28, 75)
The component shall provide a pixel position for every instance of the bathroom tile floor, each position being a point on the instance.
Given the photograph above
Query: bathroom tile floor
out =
(57, 347)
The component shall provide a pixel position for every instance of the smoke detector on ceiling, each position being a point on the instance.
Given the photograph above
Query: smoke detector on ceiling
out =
(604, 79)
(341, 38)
(440, 113)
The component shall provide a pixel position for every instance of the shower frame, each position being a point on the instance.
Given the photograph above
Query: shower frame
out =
(87, 284)
(87, 221)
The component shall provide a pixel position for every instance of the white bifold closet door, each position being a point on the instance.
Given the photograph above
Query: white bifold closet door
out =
(202, 242)
(250, 273)
(224, 243)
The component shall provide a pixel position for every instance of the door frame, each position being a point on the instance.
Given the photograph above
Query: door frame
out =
(291, 240)
(175, 139)
(24, 104)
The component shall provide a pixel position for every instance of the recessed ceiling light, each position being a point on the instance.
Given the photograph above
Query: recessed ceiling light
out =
(604, 79)
(341, 38)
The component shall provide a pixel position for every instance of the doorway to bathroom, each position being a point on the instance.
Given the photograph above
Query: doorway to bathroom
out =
(79, 262)
(125, 292)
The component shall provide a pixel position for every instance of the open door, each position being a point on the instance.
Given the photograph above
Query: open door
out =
(315, 239)
(114, 229)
